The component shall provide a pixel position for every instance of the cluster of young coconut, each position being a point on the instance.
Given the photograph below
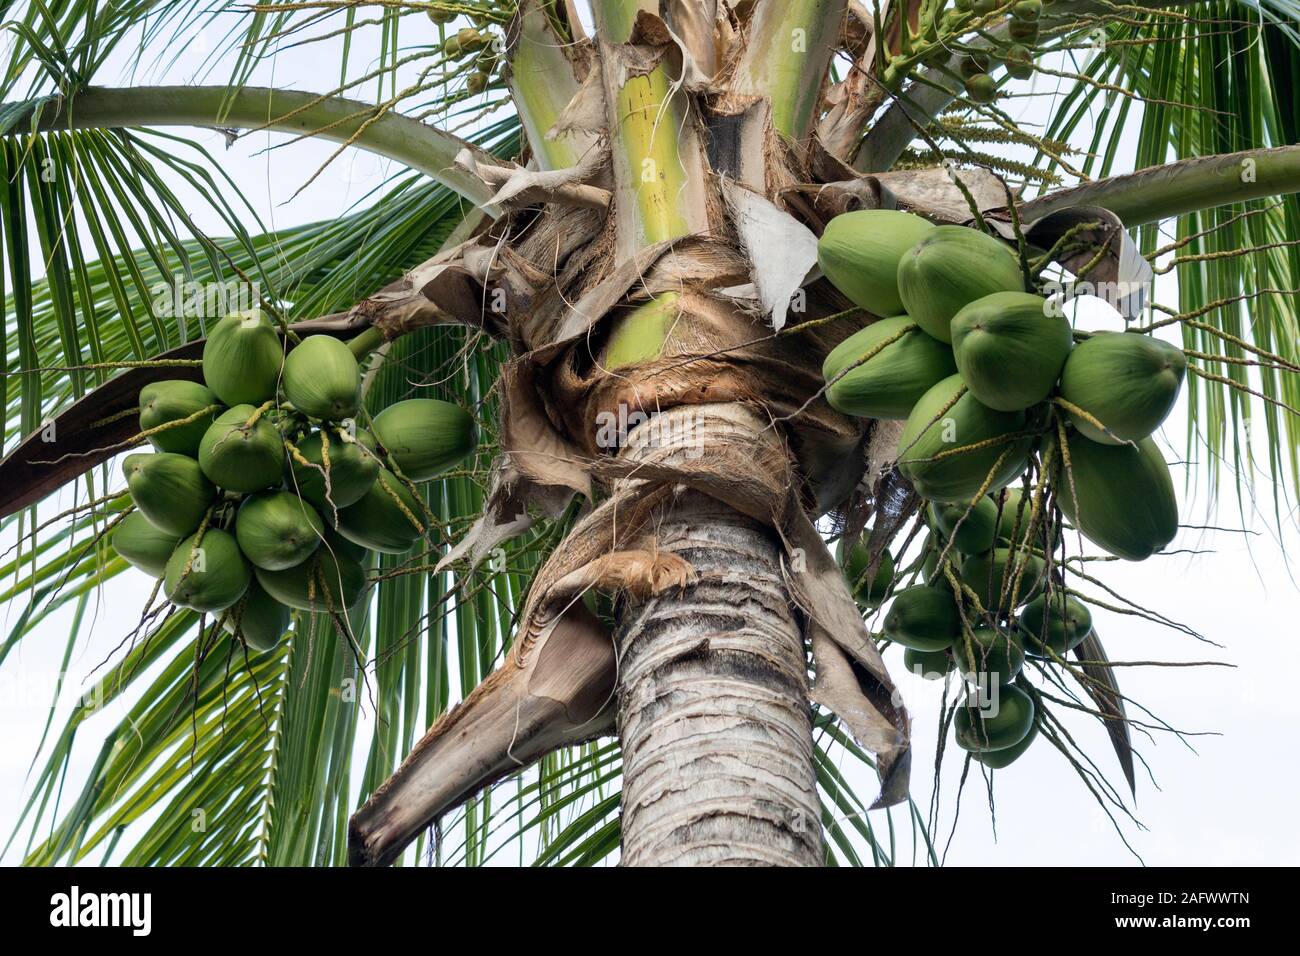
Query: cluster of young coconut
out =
(965, 30)
(995, 388)
(263, 494)
(469, 42)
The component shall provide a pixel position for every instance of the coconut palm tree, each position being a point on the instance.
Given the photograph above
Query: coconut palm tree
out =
(613, 266)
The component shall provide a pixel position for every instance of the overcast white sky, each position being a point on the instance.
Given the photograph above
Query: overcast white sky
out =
(1229, 802)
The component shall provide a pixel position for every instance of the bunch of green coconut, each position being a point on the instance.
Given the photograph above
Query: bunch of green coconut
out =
(263, 494)
(988, 378)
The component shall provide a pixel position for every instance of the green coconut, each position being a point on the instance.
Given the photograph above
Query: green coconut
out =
(330, 580)
(989, 655)
(931, 431)
(998, 759)
(868, 592)
(930, 665)
(210, 577)
(992, 574)
(425, 436)
(950, 268)
(1122, 497)
(973, 530)
(1023, 31)
(1127, 381)
(889, 383)
(335, 543)
(387, 518)
(321, 378)
(1010, 349)
(981, 88)
(923, 617)
(998, 725)
(930, 571)
(1019, 62)
(242, 358)
(169, 489)
(277, 529)
(859, 252)
(143, 545)
(1050, 628)
(258, 618)
(172, 401)
(353, 468)
(239, 457)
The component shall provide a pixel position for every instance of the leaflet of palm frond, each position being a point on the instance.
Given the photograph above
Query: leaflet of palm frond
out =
(1104, 690)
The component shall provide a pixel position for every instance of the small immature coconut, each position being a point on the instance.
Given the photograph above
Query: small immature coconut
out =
(239, 457)
(1127, 381)
(321, 378)
(175, 400)
(989, 725)
(206, 575)
(982, 88)
(1010, 348)
(1019, 62)
(476, 83)
(169, 489)
(242, 358)
(896, 375)
(425, 436)
(258, 618)
(142, 545)
(950, 268)
(859, 253)
(1023, 31)
(353, 468)
(387, 518)
(471, 40)
(923, 617)
(988, 655)
(277, 529)
(974, 64)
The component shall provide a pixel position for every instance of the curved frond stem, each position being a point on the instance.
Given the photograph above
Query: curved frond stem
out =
(420, 147)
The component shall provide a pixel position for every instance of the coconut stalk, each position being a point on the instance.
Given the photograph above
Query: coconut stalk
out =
(542, 83)
(658, 198)
(786, 58)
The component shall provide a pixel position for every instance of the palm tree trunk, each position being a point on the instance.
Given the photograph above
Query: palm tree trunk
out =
(713, 711)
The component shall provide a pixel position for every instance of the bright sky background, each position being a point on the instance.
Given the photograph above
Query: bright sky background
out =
(1229, 802)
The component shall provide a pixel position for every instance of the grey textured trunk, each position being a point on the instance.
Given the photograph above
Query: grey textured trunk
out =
(713, 709)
